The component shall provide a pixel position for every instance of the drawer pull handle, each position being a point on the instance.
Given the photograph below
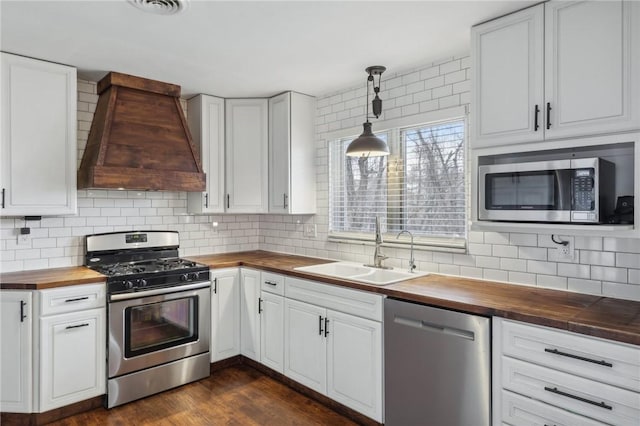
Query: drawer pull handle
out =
(273, 283)
(77, 299)
(579, 398)
(69, 327)
(320, 320)
(581, 358)
(326, 326)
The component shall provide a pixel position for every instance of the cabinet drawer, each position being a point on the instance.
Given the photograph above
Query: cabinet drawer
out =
(521, 411)
(272, 283)
(581, 396)
(605, 361)
(359, 303)
(72, 298)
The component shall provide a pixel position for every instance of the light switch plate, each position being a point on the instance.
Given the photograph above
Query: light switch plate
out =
(310, 230)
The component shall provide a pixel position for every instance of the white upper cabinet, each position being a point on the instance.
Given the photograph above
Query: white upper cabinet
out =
(508, 91)
(38, 145)
(292, 173)
(206, 122)
(592, 67)
(556, 70)
(246, 155)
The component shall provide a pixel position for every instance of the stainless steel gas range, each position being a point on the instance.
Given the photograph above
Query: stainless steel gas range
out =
(158, 313)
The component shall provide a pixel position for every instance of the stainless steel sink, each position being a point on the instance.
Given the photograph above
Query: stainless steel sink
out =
(358, 272)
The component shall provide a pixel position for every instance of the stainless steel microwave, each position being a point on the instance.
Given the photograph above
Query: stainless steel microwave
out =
(577, 190)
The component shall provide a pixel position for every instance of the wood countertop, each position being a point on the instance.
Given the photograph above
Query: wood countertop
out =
(598, 316)
(49, 278)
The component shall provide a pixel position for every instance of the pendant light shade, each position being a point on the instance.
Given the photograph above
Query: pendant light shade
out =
(368, 144)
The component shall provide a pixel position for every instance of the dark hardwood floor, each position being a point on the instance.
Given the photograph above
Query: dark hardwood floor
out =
(237, 395)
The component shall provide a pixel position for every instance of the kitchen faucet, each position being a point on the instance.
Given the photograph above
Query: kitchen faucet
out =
(378, 257)
(412, 261)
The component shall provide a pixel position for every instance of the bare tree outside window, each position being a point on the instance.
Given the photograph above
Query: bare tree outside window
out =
(419, 187)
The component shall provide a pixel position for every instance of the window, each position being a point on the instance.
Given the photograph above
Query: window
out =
(419, 187)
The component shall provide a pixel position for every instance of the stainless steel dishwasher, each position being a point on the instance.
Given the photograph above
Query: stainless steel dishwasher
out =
(437, 366)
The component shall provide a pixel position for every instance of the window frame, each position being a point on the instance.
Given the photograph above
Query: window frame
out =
(394, 129)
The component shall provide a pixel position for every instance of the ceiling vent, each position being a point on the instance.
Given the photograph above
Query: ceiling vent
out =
(161, 7)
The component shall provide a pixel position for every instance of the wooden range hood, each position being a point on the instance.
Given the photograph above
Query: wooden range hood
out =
(139, 139)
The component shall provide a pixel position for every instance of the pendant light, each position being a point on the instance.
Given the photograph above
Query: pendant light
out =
(368, 144)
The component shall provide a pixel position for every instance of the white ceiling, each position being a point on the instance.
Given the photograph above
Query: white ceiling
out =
(243, 48)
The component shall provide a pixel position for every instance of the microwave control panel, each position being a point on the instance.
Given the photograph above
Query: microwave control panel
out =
(583, 189)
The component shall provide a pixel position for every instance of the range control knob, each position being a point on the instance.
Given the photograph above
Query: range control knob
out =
(128, 285)
(184, 277)
(142, 282)
(194, 275)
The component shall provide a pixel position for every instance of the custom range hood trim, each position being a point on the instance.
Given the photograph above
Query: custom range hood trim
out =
(139, 139)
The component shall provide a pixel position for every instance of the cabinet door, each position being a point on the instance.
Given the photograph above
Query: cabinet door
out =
(225, 314)
(279, 160)
(249, 315)
(354, 363)
(272, 331)
(16, 351)
(38, 146)
(302, 158)
(305, 349)
(72, 358)
(206, 122)
(507, 79)
(591, 61)
(247, 160)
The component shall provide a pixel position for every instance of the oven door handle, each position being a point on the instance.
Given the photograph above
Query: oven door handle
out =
(158, 291)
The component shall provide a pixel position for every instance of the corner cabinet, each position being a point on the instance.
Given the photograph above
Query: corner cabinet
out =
(534, 76)
(16, 353)
(292, 172)
(206, 122)
(246, 127)
(225, 313)
(38, 145)
(250, 308)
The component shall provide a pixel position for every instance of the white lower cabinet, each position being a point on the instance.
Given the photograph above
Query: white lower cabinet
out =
(272, 331)
(334, 352)
(72, 357)
(250, 313)
(16, 353)
(225, 313)
(547, 376)
(305, 352)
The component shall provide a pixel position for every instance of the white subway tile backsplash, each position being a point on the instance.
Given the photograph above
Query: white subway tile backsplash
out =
(551, 281)
(627, 260)
(522, 278)
(622, 291)
(538, 267)
(584, 286)
(634, 276)
(603, 258)
(604, 273)
(574, 270)
(513, 265)
(504, 250)
(628, 245)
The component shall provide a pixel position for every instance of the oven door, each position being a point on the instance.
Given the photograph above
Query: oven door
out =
(149, 328)
(525, 192)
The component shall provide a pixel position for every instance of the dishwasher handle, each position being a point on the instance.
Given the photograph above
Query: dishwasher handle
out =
(433, 327)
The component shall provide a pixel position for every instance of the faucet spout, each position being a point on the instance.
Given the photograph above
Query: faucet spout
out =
(378, 257)
(412, 261)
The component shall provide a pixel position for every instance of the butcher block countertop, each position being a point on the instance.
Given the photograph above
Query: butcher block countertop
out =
(614, 319)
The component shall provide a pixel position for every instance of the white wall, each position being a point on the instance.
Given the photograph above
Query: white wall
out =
(604, 266)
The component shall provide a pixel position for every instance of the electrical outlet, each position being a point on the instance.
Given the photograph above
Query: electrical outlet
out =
(310, 230)
(23, 236)
(565, 252)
